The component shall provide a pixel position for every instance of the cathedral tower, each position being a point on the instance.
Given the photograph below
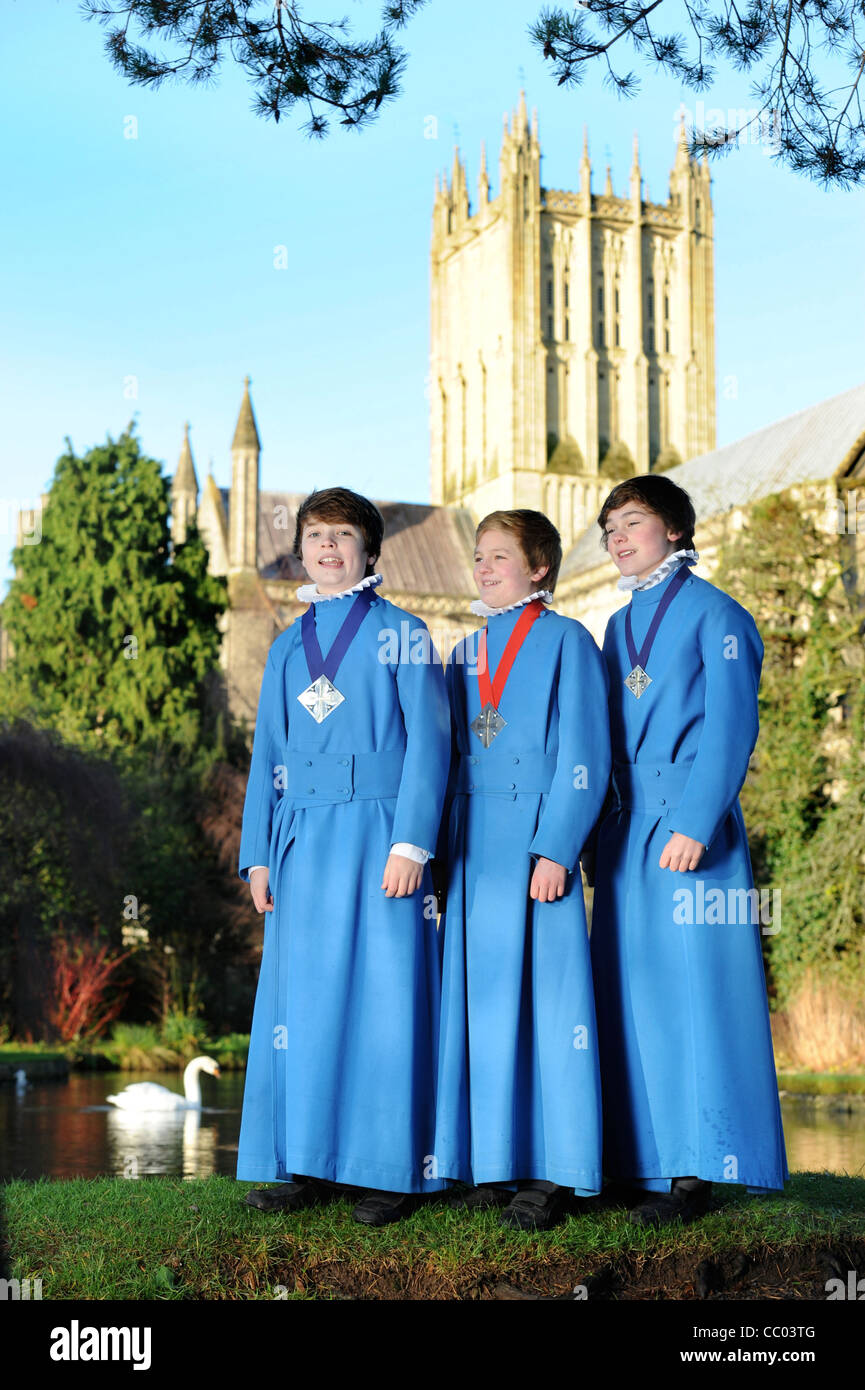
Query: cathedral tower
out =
(572, 333)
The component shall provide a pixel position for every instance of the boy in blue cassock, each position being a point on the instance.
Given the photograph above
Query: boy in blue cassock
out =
(690, 1093)
(346, 785)
(518, 1108)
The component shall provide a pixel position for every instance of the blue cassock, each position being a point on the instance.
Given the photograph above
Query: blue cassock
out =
(519, 1094)
(340, 1080)
(686, 1050)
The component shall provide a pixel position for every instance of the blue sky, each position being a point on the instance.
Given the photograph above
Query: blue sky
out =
(153, 258)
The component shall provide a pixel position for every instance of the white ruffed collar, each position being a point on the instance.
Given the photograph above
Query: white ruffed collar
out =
(308, 593)
(667, 565)
(483, 610)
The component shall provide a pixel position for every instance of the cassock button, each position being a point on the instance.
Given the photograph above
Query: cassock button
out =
(516, 760)
(512, 786)
(310, 791)
(308, 763)
(663, 800)
(343, 791)
(343, 762)
(657, 772)
(472, 760)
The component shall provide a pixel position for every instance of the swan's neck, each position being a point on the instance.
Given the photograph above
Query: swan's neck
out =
(191, 1082)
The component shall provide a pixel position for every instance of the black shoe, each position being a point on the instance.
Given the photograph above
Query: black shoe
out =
(380, 1208)
(480, 1198)
(534, 1209)
(290, 1196)
(687, 1200)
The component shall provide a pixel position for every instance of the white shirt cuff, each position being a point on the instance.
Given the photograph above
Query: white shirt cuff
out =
(420, 856)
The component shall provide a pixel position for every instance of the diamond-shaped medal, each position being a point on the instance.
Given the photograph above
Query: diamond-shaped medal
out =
(487, 724)
(637, 681)
(321, 698)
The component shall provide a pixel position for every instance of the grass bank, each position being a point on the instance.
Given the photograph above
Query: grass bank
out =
(163, 1238)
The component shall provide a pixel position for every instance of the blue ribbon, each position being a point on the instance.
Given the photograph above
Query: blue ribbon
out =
(328, 666)
(640, 658)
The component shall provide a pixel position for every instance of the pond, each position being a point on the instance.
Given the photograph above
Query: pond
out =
(66, 1129)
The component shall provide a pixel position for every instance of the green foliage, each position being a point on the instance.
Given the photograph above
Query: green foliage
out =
(804, 799)
(288, 59)
(114, 637)
(115, 749)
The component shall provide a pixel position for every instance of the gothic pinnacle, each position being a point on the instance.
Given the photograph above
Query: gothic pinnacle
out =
(184, 479)
(246, 433)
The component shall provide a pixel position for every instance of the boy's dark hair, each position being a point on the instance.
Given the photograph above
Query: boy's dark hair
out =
(536, 536)
(659, 495)
(341, 504)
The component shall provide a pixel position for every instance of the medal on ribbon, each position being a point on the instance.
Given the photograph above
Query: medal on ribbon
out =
(321, 698)
(638, 680)
(489, 723)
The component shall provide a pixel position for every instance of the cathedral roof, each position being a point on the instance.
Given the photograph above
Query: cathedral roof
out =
(426, 550)
(246, 433)
(811, 446)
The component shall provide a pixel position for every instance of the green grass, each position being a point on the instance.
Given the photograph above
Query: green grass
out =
(135, 1047)
(164, 1238)
(19, 1054)
(822, 1083)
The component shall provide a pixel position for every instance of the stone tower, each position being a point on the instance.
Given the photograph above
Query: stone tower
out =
(572, 333)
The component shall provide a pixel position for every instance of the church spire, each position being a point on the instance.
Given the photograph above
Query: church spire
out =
(243, 509)
(483, 178)
(585, 166)
(246, 433)
(522, 124)
(184, 492)
(185, 479)
(636, 177)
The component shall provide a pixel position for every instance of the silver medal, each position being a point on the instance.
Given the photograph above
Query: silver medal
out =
(487, 724)
(637, 681)
(321, 699)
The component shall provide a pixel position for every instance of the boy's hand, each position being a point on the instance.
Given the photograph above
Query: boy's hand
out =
(681, 853)
(258, 882)
(548, 881)
(402, 876)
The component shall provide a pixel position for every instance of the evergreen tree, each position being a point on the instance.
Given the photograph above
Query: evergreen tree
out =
(115, 639)
(804, 800)
(811, 124)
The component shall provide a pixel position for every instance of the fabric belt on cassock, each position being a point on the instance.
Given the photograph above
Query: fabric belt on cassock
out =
(317, 779)
(650, 786)
(505, 774)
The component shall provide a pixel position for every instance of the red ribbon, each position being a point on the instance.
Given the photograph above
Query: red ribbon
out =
(491, 692)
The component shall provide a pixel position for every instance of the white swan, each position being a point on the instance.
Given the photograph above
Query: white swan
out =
(147, 1095)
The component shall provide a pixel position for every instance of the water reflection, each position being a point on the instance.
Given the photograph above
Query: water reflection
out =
(822, 1139)
(67, 1129)
(169, 1141)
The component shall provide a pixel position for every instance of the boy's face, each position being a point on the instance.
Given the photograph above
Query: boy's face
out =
(333, 554)
(502, 574)
(638, 540)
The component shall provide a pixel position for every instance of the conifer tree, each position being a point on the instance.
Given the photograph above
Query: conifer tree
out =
(113, 635)
(804, 800)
